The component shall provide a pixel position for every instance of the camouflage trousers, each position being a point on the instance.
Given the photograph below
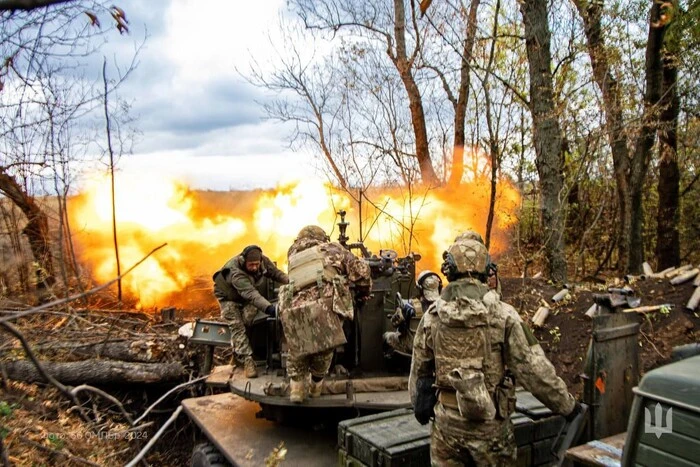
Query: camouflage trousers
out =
(238, 318)
(401, 342)
(454, 441)
(298, 368)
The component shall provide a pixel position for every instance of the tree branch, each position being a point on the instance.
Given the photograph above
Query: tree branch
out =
(27, 5)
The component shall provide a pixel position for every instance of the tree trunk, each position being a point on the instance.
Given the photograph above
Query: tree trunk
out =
(493, 136)
(37, 228)
(668, 249)
(645, 140)
(405, 69)
(128, 351)
(97, 372)
(547, 135)
(460, 107)
(590, 12)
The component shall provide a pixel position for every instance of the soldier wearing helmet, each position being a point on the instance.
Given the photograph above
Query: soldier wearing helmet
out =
(429, 286)
(492, 275)
(473, 348)
(314, 304)
(237, 288)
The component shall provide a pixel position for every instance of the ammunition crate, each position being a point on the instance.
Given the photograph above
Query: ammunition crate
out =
(395, 438)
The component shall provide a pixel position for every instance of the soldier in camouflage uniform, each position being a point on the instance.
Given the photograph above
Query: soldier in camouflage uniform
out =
(472, 347)
(313, 305)
(236, 288)
(429, 286)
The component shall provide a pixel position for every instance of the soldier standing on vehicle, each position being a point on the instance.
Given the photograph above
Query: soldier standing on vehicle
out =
(473, 348)
(313, 305)
(429, 287)
(236, 288)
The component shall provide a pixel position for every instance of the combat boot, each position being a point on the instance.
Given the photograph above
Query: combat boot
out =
(249, 368)
(315, 388)
(297, 391)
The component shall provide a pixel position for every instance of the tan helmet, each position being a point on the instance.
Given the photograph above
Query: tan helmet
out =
(430, 285)
(469, 235)
(312, 232)
(467, 256)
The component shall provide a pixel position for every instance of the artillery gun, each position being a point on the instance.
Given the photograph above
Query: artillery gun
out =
(361, 379)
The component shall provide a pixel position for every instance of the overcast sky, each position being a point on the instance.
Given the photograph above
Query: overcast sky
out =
(199, 119)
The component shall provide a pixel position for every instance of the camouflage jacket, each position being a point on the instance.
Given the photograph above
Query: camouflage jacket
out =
(336, 294)
(512, 347)
(233, 283)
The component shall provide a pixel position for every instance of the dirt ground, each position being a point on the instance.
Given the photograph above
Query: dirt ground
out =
(566, 332)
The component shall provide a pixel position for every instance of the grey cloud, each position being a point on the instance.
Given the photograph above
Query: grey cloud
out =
(200, 110)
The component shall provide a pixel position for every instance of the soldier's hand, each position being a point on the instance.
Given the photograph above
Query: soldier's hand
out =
(408, 311)
(574, 413)
(271, 311)
(397, 318)
(362, 293)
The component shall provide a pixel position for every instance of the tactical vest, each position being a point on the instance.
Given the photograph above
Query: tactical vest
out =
(307, 268)
(468, 349)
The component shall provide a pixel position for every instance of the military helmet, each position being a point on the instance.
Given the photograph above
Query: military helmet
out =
(469, 235)
(467, 256)
(424, 275)
(313, 232)
(429, 284)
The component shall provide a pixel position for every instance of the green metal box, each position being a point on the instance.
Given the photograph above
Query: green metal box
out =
(664, 424)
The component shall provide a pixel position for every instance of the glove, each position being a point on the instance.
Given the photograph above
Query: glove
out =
(426, 398)
(271, 311)
(362, 293)
(397, 318)
(574, 413)
(408, 311)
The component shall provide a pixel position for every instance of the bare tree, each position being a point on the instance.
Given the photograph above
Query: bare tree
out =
(459, 98)
(668, 248)
(547, 134)
(389, 26)
(42, 50)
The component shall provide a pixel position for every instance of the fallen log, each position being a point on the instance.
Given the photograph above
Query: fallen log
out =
(694, 300)
(685, 277)
(696, 282)
(97, 372)
(648, 308)
(647, 269)
(128, 351)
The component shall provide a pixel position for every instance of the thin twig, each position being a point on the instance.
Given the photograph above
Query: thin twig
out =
(119, 434)
(40, 368)
(179, 386)
(155, 438)
(81, 295)
(3, 454)
(56, 452)
(116, 453)
(652, 344)
(86, 387)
